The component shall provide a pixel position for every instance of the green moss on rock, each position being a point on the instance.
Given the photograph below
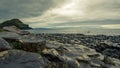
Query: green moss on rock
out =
(15, 22)
(2, 30)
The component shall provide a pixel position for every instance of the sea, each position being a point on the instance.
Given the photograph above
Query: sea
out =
(77, 31)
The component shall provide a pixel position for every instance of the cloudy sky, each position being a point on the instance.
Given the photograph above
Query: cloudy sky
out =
(104, 14)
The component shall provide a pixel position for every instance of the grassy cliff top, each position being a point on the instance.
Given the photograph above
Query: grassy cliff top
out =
(15, 22)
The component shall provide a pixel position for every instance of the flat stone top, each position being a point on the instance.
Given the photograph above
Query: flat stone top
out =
(30, 40)
(9, 35)
(21, 59)
(12, 29)
(22, 39)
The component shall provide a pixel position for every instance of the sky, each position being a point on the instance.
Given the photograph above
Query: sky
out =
(103, 14)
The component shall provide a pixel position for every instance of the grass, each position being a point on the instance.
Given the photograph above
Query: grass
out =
(2, 30)
(16, 45)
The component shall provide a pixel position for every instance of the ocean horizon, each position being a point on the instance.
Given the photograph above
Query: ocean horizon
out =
(77, 31)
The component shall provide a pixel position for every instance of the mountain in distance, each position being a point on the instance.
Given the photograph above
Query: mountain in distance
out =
(15, 22)
(43, 28)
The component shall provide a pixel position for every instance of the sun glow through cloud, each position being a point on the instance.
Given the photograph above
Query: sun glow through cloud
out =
(79, 11)
(70, 8)
(112, 26)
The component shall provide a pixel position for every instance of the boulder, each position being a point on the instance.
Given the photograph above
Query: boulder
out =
(21, 59)
(74, 51)
(32, 44)
(11, 29)
(112, 52)
(71, 63)
(59, 61)
(4, 45)
(77, 56)
(9, 35)
(53, 44)
(23, 32)
(52, 52)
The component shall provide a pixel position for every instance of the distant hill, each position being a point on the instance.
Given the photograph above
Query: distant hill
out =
(15, 22)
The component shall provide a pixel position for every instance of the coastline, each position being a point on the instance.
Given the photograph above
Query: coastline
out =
(91, 32)
(46, 50)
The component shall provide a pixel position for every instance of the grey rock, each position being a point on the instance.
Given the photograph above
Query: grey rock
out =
(71, 63)
(65, 61)
(11, 29)
(53, 44)
(52, 52)
(21, 59)
(112, 52)
(9, 35)
(23, 32)
(32, 44)
(4, 45)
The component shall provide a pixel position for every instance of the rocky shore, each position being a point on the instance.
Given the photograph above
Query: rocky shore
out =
(21, 49)
(28, 50)
(107, 45)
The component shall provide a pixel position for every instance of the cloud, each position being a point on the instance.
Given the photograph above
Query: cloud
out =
(104, 5)
(24, 8)
(63, 13)
(113, 26)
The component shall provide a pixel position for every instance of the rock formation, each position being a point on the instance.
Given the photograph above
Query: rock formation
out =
(4, 45)
(14, 22)
(20, 49)
(21, 59)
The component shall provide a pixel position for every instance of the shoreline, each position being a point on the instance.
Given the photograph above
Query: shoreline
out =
(58, 50)
(36, 31)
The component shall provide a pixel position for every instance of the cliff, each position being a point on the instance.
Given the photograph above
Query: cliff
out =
(15, 22)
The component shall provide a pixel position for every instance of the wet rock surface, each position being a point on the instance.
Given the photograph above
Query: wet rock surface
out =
(104, 44)
(32, 44)
(21, 59)
(80, 56)
(58, 51)
(9, 35)
(11, 29)
(4, 45)
(23, 32)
